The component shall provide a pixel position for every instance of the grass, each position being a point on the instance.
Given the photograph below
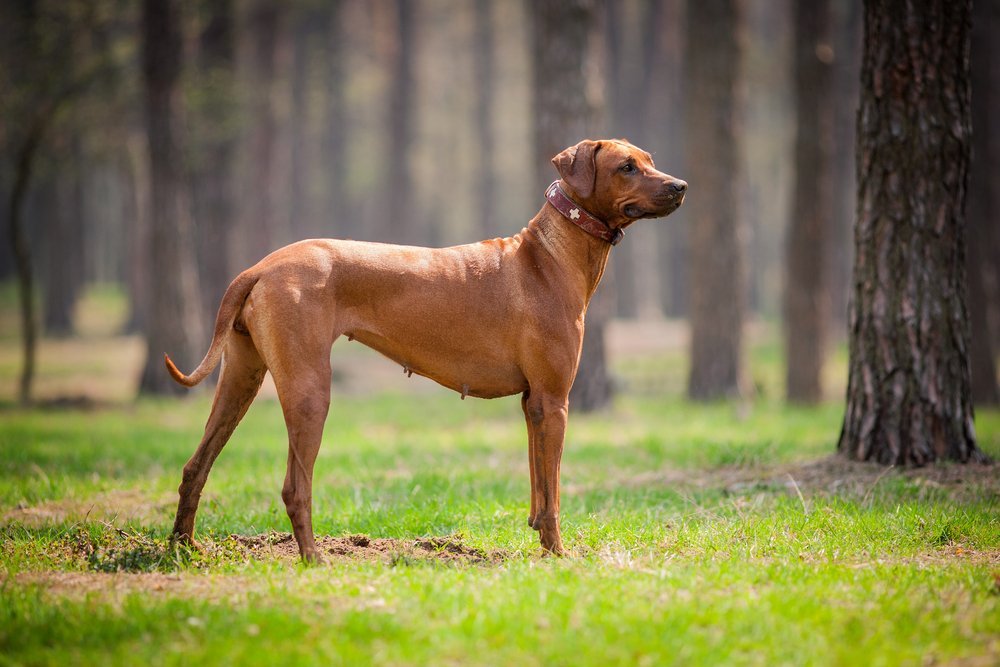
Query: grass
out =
(700, 534)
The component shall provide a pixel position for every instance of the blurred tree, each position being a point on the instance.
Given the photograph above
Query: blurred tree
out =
(563, 114)
(484, 65)
(334, 164)
(666, 121)
(64, 222)
(403, 221)
(262, 227)
(713, 140)
(215, 129)
(174, 321)
(908, 395)
(846, 65)
(983, 209)
(631, 32)
(807, 242)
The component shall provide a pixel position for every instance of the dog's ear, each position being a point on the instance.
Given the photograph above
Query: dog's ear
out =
(578, 166)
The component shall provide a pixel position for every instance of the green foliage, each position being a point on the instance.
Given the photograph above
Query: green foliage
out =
(700, 534)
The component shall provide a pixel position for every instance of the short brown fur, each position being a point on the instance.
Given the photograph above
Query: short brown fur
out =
(489, 319)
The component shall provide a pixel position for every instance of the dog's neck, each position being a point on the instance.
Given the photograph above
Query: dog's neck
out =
(576, 252)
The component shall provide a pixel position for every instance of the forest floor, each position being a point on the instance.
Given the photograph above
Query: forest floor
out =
(698, 534)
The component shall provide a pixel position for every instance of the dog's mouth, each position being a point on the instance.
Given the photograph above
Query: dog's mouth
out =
(659, 209)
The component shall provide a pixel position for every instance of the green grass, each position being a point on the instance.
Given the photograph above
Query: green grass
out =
(700, 535)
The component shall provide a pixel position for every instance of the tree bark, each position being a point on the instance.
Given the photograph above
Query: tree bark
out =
(563, 115)
(718, 281)
(807, 245)
(174, 323)
(908, 395)
(983, 209)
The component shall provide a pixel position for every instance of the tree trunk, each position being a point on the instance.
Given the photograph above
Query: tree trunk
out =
(563, 115)
(214, 181)
(983, 212)
(846, 65)
(484, 66)
(807, 297)
(403, 224)
(718, 281)
(174, 323)
(674, 242)
(265, 25)
(339, 207)
(908, 396)
(24, 166)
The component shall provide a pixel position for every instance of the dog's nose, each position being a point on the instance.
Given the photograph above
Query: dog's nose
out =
(678, 186)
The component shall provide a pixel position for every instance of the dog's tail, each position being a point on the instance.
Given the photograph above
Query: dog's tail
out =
(233, 300)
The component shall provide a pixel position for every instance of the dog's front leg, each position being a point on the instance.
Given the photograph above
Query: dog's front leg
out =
(547, 414)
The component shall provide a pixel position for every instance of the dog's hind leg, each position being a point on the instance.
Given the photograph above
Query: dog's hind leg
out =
(303, 384)
(242, 374)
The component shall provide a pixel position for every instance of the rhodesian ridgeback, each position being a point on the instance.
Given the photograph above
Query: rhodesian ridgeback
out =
(489, 319)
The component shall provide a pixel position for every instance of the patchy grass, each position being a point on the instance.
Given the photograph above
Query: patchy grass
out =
(700, 535)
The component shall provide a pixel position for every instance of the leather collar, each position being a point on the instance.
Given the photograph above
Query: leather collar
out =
(579, 217)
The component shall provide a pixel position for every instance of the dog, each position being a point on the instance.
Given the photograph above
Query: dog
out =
(489, 319)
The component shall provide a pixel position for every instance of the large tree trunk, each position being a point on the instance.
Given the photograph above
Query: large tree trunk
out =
(908, 396)
(563, 115)
(983, 210)
(214, 181)
(807, 297)
(718, 281)
(174, 322)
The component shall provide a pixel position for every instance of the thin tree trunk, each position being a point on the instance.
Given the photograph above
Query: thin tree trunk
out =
(25, 164)
(340, 208)
(174, 323)
(847, 64)
(484, 66)
(265, 24)
(718, 292)
(908, 395)
(403, 224)
(214, 183)
(806, 293)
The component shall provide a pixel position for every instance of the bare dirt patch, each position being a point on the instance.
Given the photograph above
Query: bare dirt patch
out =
(282, 546)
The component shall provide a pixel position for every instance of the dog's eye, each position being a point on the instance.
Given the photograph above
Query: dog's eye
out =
(628, 168)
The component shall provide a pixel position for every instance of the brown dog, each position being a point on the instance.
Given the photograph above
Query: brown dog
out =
(487, 319)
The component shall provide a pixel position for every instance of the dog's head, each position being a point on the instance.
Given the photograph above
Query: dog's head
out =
(618, 182)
